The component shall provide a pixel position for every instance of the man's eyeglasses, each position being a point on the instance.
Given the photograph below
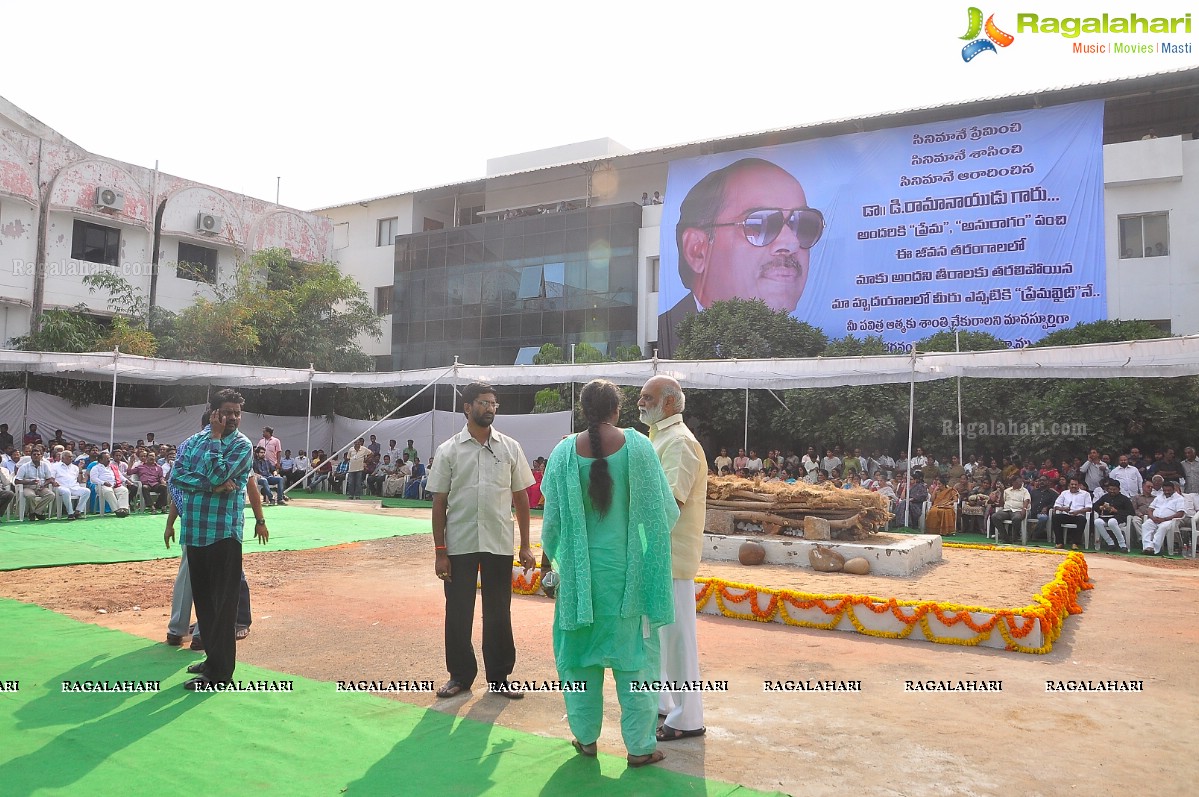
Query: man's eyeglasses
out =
(495, 405)
(762, 226)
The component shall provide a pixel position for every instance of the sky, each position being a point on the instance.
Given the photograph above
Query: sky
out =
(353, 100)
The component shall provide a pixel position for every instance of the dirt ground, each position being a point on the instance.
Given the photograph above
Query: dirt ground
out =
(373, 610)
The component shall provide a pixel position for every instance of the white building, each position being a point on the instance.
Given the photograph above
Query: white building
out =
(66, 213)
(1150, 218)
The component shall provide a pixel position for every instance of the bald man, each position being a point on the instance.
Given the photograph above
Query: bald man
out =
(661, 405)
(744, 232)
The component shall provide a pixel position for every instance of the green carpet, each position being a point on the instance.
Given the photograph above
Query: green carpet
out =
(312, 741)
(96, 540)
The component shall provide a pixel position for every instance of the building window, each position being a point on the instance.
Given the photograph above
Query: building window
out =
(196, 263)
(433, 224)
(95, 244)
(653, 264)
(468, 216)
(387, 231)
(383, 296)
(1146, 235)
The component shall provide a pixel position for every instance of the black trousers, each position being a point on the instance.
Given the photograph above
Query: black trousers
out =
(216, 577)
(499, 651)
(159, 491)
(1068, 528)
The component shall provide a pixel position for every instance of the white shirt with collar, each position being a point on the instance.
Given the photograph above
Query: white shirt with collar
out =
(1130, 479)
(65, 475)
(31, 472)
(479, 481)
(1072, 502)
(102, 474)
(1164, 507)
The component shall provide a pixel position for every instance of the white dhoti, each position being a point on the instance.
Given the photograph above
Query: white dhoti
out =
(680, 662)
(74, 497)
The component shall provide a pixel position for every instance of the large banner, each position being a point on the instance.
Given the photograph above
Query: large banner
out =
(991, 224)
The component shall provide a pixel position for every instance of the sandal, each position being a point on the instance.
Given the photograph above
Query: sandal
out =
(669, 734)
(242, 632)
(588, 750)
(451, 688)
(645, 760)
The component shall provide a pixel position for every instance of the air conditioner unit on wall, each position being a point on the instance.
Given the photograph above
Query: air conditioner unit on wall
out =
(209, 223)
(109, 199)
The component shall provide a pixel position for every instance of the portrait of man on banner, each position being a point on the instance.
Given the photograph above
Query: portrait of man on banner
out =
(745, 231)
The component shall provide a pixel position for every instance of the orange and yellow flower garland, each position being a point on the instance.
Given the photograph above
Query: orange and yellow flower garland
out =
(1057, 600)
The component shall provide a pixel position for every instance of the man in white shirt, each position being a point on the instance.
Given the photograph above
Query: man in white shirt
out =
(477, 478)
(66, 477)
(8, 490)
(1094, 470)
(107, 481)
(810, 462)
(300, 467)
(1129, 477)
(754, 463)
(396, 454)
(1016, 501)
(1190, 471)
(1070, 511)
(1167, 510)
(661, 405)
(37, 485)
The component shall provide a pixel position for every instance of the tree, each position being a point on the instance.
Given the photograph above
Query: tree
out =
(983, 400)
(740, 329)
(869, 416)
(1108, 414)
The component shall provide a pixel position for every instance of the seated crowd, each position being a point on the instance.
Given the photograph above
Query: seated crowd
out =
(1137, 497)
(74, 474)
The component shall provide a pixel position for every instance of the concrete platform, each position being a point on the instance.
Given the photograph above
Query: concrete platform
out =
(902, 558)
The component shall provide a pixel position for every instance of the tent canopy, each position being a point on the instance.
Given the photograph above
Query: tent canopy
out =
(1164, 357)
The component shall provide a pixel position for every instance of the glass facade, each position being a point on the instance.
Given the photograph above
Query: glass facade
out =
(488, 291)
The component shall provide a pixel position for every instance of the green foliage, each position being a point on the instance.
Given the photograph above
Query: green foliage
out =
(586, 353)
(741, 329)
(738, 329)
(279, 312)
(63, 330)
(1102, 332)
(549, 354)
(549, 400)
(626, 354)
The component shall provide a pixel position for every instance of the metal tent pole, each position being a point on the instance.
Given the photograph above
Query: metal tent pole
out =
(957, 346)
(112, 418)
(745, 439)
(907, 504)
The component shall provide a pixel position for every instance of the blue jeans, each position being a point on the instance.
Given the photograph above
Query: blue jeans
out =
(355, 488)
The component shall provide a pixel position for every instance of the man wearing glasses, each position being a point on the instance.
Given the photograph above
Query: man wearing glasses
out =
(477, 477)
(744, 232)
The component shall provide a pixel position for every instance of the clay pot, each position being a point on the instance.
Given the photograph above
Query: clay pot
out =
(825, 560)
(859, 566)
(751, 552)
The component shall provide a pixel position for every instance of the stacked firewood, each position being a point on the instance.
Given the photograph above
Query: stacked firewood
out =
(779, 507)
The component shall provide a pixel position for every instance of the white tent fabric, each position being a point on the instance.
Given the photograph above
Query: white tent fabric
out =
(537, 434)
(1148, 358)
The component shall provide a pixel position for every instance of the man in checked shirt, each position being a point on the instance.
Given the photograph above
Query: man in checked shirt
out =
(211, 477)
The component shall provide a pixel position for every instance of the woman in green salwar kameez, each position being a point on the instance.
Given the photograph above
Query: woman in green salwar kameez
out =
(606, 528)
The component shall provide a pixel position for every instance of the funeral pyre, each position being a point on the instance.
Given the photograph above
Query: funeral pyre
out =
(736, 505)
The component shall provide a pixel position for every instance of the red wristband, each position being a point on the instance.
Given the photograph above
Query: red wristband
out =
(439, 547)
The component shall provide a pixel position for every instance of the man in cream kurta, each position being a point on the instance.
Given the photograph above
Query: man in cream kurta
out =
(661, 404)
(478, 477)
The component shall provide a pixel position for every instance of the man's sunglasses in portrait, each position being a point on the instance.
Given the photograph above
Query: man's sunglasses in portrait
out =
(761, 227)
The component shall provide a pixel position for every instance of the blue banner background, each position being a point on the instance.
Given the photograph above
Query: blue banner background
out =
(878, 183)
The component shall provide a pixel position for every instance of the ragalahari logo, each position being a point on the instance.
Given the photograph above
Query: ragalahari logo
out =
(981, 45)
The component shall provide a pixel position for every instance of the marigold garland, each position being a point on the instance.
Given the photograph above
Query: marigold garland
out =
(1047, 612)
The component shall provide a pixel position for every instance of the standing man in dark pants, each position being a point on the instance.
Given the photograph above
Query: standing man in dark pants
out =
(210, 478)
(478, 476)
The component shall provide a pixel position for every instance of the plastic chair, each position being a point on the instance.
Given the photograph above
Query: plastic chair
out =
(1085, 524)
